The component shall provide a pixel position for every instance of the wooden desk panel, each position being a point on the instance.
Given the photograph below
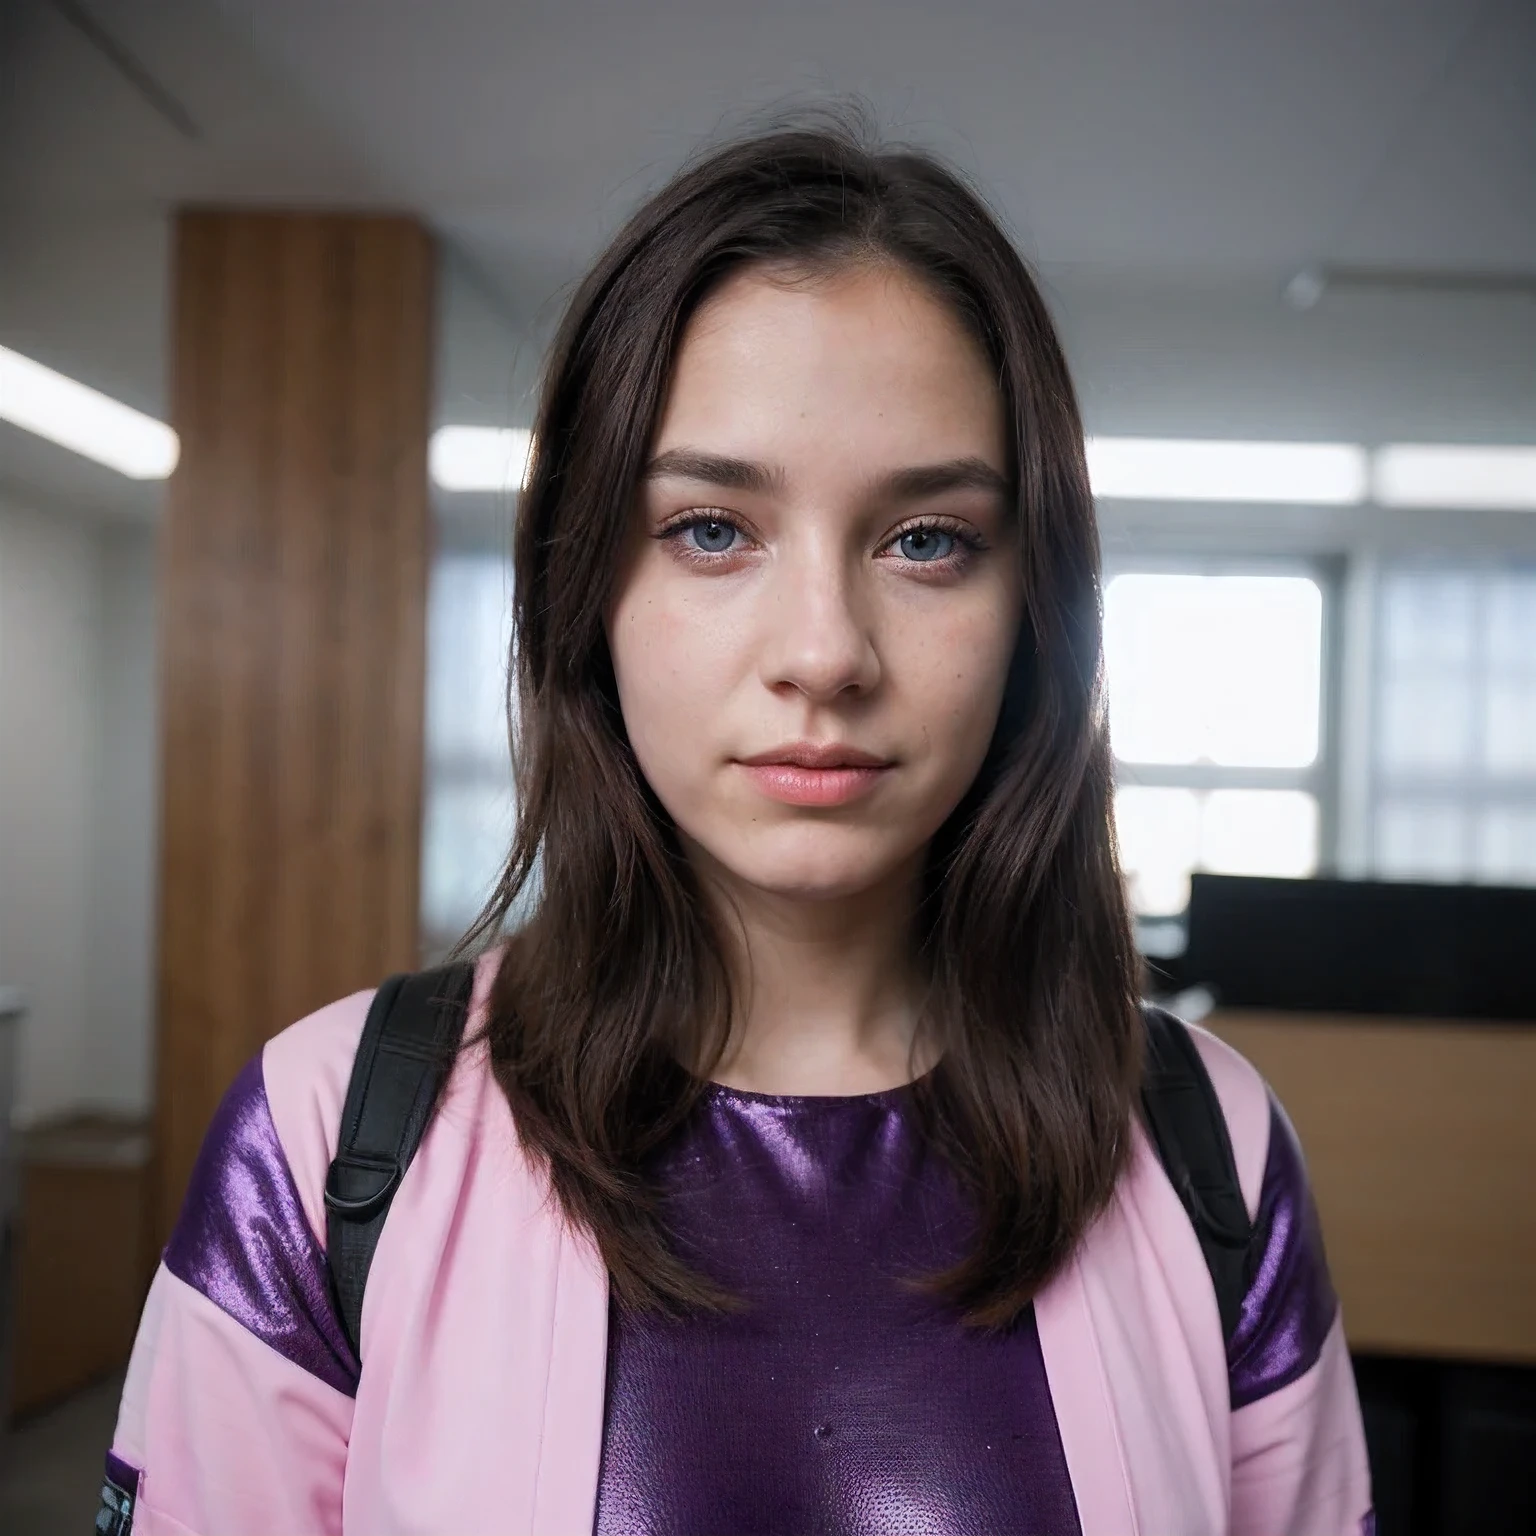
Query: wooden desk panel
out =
(82, 1263)
(1420, 1139)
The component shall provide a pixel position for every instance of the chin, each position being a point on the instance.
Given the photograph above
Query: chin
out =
(795, 886)
(820, 863)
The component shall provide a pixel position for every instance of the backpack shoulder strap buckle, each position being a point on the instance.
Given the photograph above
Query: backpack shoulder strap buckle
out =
(358, 1187)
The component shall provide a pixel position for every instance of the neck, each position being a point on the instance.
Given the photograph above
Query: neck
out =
(828, 992)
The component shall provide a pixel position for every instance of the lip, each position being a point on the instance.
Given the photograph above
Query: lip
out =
(809, 754)
(804, 773)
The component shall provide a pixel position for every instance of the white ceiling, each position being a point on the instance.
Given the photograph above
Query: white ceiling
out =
(1191, 135)
(1137, 147)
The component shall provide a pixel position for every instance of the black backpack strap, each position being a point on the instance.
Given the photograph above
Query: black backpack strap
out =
(403, 1058)
(1185, 1121)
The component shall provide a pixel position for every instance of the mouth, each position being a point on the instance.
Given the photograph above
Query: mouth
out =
(805, 773)
(807, 754)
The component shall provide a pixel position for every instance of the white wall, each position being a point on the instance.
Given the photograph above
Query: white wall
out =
(116, 1069)
(77, 775)
(50, 647)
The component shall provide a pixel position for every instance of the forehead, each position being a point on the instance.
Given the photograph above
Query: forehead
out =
(866, 356)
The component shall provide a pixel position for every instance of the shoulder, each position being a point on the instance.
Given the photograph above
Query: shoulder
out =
(1298, 1453)
(307, 1068)
(1290, 1307)
(274, 1132)
(250, 1236)
(1247, 1106)
(305, 1071)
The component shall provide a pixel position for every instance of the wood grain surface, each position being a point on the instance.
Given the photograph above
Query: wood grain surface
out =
(1420, 1139)
(293, 594)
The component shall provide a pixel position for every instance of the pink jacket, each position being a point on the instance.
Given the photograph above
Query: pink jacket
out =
(484, 1329)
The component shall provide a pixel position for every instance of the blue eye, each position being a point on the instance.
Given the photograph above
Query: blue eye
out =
(711, 535)
(925, 544)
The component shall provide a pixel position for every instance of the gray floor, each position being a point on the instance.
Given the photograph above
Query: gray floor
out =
(51, 1474)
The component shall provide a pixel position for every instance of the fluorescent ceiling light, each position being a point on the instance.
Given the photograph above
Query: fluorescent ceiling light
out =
(1193, 469)
(1434, 475)
(480, 458)
(84, 420)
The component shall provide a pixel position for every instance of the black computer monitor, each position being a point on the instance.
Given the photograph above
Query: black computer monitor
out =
(1364, 946)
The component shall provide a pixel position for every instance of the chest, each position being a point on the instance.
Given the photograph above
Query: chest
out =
(842, 1396)
(497, 1374)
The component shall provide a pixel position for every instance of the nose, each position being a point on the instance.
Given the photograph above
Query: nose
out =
(818, 639)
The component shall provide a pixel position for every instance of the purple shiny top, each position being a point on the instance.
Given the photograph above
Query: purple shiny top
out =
(243, 1239)
(840, 1401)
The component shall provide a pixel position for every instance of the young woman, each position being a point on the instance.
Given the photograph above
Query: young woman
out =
(790, 1178)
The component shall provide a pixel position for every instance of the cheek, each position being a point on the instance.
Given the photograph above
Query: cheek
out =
(662, 684)
(963, 666)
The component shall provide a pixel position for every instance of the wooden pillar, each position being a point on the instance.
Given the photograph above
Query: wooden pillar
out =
(293, 593)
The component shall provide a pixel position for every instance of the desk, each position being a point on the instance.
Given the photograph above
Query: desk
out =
(81, 1264)
(1420, 1138)
(11, 1010)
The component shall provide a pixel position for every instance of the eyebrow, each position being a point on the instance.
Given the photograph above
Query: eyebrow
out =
(914, 483)
(715, 469)
(967, 474)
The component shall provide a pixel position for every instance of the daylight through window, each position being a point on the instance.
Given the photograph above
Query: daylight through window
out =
(1215, 697)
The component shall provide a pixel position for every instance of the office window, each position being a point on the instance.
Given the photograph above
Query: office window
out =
(467, 825)
(1454, 759)
(1215, 700)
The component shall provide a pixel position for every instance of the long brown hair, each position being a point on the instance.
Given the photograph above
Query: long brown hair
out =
(617, 974)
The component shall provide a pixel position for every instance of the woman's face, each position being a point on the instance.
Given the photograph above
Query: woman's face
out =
(820, 595)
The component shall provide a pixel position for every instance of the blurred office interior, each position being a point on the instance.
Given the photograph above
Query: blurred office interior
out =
(252, 740)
